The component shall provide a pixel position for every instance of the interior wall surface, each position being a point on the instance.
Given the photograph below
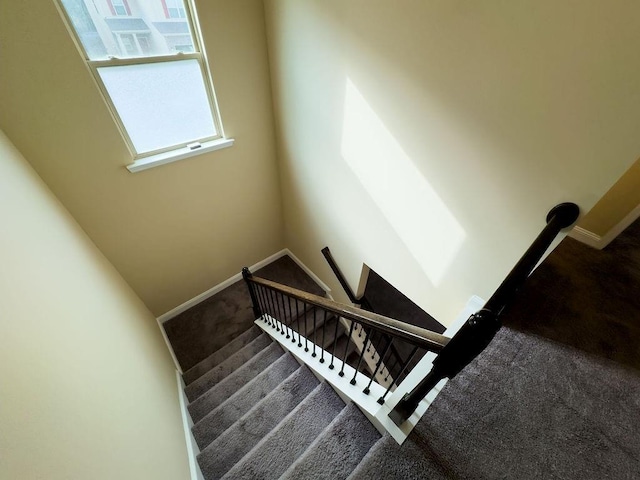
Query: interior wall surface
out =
(88, 387)
(619, 201)
(429, 139)
(174, 231)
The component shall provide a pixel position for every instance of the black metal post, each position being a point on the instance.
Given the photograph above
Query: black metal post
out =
(246, 274)
(481, 327)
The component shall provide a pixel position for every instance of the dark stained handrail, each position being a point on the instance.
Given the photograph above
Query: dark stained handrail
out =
(478, 331)
(417, 336)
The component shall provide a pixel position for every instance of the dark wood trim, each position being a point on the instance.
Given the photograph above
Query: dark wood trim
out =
(417, 336)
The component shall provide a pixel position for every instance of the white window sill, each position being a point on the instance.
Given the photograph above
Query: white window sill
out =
(179, 154)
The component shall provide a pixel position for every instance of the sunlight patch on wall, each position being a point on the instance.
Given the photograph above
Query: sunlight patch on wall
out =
(398, 188)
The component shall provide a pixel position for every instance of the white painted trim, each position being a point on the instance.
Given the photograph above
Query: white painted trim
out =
(367, 403)
(596, 241)
(218, 288)
(187, 423)
(416, 375)
(178, 154)
(586, 237)
(308, 271)
(378, 414)
(168, 343)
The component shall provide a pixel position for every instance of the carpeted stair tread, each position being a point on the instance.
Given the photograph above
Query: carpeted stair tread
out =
(306, 322)
(218, 394)
(388, 460)
(236, 441)
(220, 355)
(217, 421)
(276, 452)
(219, 372)
(338, 450)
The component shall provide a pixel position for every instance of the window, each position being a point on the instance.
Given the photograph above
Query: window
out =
(152, 72)
(119, 7)
(174, 9)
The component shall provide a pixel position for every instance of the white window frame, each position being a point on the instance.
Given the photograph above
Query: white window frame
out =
(145, 160)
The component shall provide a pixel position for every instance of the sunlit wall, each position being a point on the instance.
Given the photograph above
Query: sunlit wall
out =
(429, 139)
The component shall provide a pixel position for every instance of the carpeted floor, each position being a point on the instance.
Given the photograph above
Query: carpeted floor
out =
(208, 326)
(556, 395)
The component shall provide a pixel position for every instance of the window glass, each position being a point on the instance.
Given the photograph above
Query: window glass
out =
(148, 65)
(123, 29)
(160, 104)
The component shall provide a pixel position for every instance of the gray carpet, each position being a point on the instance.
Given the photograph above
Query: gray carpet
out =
(219, 372)
(220, 392)
(527, 408)
(220, 419)
(220, 355)
(338, 449)
(285, 443)
(213, 323)
(556, 395)
(238, 440)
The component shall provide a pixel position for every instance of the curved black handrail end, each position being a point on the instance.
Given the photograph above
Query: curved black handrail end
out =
(566, 213)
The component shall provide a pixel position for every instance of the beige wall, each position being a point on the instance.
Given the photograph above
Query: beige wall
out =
(88, 388)
(173, 231)
(616, 204)
(428, 139)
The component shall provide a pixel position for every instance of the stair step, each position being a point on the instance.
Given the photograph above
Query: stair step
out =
(219, 372)
(217, 421)
(219, 393)
(220, 355)
(235, 442)
(272, 456)
(387, 459)
(338, 450)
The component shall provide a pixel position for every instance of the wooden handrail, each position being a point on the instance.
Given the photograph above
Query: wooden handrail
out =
(420, 337)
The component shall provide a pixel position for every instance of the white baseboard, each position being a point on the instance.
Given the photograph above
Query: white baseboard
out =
(596, 241)
(586, 237)
(187, 423)
(230, 281)
(308, 271)
(168, 343)
(174, 312)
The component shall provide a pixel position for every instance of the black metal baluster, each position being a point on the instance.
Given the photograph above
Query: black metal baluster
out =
(324, 332)
(246, 275)
(276, 314)
(386, 349)
(314, 332)
(267, 315)
(260, 304)
(273, 310)
(371, 342)
(335, 342)
(346, 348)
(304, 309)
(298, 317)
(293, 332)
(390, 367)
(393, 380)
(364, 348)
(283, 314)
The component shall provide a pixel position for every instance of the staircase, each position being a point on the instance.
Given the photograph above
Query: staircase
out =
(257, 413)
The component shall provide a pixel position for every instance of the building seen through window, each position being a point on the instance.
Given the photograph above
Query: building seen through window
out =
(149, 64)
